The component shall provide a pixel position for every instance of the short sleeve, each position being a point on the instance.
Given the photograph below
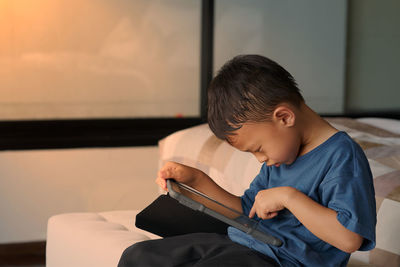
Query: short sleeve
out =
(259, 183)
(353, 199)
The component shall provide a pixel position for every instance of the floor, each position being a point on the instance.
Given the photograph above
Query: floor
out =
(32, 254)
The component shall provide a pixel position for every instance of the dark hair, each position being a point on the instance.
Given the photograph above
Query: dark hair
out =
(247, 89)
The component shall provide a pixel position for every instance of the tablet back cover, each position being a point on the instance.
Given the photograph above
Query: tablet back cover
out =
(165, 217)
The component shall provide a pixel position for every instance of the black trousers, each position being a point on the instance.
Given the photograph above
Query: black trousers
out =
(199, 249)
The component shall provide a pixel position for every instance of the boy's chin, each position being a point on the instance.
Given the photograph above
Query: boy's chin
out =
(277, 165)
(274, 165)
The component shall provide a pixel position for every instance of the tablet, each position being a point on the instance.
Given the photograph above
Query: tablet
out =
(198, 201)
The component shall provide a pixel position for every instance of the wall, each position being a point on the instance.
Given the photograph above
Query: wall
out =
(35, 185)
(373, 55)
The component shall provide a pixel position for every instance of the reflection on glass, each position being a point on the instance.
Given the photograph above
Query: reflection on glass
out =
(99, 58)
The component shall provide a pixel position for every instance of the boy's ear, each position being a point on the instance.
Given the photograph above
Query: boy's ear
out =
(284, 115)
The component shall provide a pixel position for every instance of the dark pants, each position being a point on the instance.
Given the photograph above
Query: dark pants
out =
(199, 249)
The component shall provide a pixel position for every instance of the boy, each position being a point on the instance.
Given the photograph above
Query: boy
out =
(314, 190)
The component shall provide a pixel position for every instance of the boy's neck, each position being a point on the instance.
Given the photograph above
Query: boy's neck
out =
(314, 129)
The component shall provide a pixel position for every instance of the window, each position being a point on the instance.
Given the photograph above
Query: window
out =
(308, 38)
(74, 59)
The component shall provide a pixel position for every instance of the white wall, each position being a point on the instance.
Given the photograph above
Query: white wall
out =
(35, 185)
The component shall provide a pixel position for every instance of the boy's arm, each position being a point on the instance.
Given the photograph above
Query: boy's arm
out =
(319, 220)
(198, 180)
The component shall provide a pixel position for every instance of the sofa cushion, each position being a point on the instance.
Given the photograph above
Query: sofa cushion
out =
(91, 239)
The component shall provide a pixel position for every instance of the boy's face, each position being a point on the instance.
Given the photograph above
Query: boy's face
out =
(272, 142)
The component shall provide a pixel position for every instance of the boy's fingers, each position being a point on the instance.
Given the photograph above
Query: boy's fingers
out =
(163, 174)
(271, 215)
(252, 212)
(268, 215)
(162, 183)
(167, 173)
(158, 182)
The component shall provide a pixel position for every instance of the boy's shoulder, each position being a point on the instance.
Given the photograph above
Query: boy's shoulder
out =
(343, 145)
(340, 143)
(345, 157)
(339, 155)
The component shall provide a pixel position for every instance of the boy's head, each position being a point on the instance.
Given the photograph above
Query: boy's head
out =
(248, 88)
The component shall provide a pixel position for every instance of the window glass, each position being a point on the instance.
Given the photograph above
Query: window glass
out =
(99, 58)
(306, 37)
(373, 56)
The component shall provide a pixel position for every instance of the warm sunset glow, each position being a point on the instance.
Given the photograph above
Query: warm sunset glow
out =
(98, 57)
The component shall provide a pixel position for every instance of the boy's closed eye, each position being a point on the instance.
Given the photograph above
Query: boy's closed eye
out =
(258, 150)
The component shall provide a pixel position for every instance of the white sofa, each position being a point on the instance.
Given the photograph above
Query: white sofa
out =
(98, 239)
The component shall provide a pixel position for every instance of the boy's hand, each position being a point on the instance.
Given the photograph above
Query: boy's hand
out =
(268, 202)
(181, 173)
(198, 180)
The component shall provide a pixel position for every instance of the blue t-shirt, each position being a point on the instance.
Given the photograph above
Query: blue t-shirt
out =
(335, 174)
